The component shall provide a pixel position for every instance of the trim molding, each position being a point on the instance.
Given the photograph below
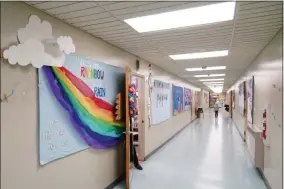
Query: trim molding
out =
(260, 172)
(116, 181)
(238, 130)
(167, 141)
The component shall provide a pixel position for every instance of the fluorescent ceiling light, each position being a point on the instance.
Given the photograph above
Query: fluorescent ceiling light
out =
(200, 55)
(206, 68)
(213, 13)
(219, 79)
(216, 82)
(210, 75)
(215, 85)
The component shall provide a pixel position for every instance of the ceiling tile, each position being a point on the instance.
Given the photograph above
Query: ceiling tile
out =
(254, 25)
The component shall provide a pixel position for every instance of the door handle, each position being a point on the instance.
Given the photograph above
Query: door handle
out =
(128, 132)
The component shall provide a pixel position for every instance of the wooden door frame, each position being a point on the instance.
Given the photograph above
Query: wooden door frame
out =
(127, 129)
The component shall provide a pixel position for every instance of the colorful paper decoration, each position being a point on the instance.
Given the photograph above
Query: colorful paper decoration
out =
(92, 117)
(118, 107)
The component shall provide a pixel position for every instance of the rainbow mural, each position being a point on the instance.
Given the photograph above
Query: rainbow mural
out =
(93, 118)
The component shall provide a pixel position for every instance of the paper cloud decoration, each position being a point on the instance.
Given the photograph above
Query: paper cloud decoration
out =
(66, 44)
(38, 47)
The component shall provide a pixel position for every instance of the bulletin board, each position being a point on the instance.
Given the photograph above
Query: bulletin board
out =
(177, 100)
(242, 98)
(161, 103)
(76, 107)
(187, 99)
(233, 99)
(250, 99)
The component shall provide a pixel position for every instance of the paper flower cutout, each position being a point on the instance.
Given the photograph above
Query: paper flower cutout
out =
(34, 47)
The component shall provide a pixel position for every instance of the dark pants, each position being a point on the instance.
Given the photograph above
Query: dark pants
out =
(133, 154)
(216, 113)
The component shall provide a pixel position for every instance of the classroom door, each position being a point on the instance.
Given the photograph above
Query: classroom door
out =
(127, 129)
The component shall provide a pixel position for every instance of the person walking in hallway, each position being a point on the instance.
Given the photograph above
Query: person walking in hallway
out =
(216, 109)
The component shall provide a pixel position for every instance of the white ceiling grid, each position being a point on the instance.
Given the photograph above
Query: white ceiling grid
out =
(254, 26)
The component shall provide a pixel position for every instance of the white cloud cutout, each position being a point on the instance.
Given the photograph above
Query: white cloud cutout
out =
(32, 52)
(35, 29)
(66, 44)
(33, 48)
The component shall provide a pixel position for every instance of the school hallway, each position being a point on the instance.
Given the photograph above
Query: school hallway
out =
(205, 155)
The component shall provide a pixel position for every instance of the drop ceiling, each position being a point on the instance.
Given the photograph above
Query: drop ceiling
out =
(255, 24)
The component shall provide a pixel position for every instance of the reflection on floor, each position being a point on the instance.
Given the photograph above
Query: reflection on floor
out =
(208, 154)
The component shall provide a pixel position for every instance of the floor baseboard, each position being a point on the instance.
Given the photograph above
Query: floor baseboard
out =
(116, 182)
(260, 172)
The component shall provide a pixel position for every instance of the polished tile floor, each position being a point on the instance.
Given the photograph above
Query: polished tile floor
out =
(208, 154)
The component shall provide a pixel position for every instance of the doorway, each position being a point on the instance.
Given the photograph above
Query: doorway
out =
(138, 128)
(135, 121)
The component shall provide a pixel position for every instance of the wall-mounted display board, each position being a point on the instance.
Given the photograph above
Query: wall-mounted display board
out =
(250, 98)
(177, 100)
(187, 99)
(76, 107)
(242, 98)
(161, 103)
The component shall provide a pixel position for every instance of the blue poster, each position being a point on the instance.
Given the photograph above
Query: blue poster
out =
(177, 99)
(57, 136)
(186, 99)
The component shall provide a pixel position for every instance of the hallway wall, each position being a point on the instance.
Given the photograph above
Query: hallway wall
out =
(267, 71)
(89, 169)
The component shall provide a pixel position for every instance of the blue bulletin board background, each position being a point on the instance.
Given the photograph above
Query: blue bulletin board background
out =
(57, 138)
(177, 99)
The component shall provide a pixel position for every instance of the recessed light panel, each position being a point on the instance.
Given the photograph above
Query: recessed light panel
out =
(219, 79)
(213, 13)
(210, 75)
(213, 82)
(205, 68)
(200, 55)
(219, 84)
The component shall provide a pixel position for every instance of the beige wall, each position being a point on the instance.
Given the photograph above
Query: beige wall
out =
(267, 71)
(89, 169)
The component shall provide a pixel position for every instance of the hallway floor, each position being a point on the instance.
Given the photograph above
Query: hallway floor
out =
(208, 154)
